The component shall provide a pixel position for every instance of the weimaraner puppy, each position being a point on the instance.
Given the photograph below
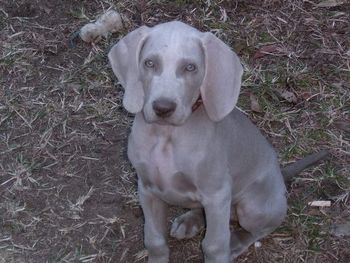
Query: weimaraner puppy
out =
(191, 147)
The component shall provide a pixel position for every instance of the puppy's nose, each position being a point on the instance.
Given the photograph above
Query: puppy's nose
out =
(163, 107)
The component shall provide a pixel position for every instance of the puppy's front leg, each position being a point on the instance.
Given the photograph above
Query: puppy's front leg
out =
(216, 243)
(154, 210)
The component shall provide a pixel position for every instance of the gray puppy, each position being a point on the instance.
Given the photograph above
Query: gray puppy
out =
(191, 147)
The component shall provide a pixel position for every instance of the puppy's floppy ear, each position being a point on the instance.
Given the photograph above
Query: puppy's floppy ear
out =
(222, 80)
(124, 59)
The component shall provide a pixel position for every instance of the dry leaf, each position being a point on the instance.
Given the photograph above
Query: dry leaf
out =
(330, 3)
(265, 50)
(254, 103)
(343, 125)
(340, 230)
(288, 96)
(320, 203)
(305, 95)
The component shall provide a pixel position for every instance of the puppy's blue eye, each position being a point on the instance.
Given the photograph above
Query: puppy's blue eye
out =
(190, 67)
(149, 63)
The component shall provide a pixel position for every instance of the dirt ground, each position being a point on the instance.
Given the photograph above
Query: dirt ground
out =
(67, 191)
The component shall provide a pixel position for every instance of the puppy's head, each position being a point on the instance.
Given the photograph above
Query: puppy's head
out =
(166, 68)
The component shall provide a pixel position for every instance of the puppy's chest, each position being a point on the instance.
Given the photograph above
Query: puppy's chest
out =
(163, 171)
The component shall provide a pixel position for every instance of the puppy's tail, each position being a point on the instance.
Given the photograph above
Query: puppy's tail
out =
(295, 168)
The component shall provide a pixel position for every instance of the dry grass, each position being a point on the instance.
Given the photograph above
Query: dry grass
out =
(67, 190)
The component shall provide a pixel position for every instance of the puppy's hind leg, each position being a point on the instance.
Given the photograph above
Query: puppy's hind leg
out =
(259, 213)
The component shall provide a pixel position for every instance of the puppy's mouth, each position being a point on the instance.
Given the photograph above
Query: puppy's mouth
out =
(165, 121)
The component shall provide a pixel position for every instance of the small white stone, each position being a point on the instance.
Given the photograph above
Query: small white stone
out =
(257, 244)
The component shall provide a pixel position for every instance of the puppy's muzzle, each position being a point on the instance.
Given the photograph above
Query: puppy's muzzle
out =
(164, 107)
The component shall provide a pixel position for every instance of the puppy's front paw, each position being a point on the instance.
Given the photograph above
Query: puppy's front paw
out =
(187, 225)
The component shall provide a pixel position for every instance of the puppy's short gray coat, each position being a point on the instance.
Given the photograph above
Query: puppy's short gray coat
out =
(212, 158)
